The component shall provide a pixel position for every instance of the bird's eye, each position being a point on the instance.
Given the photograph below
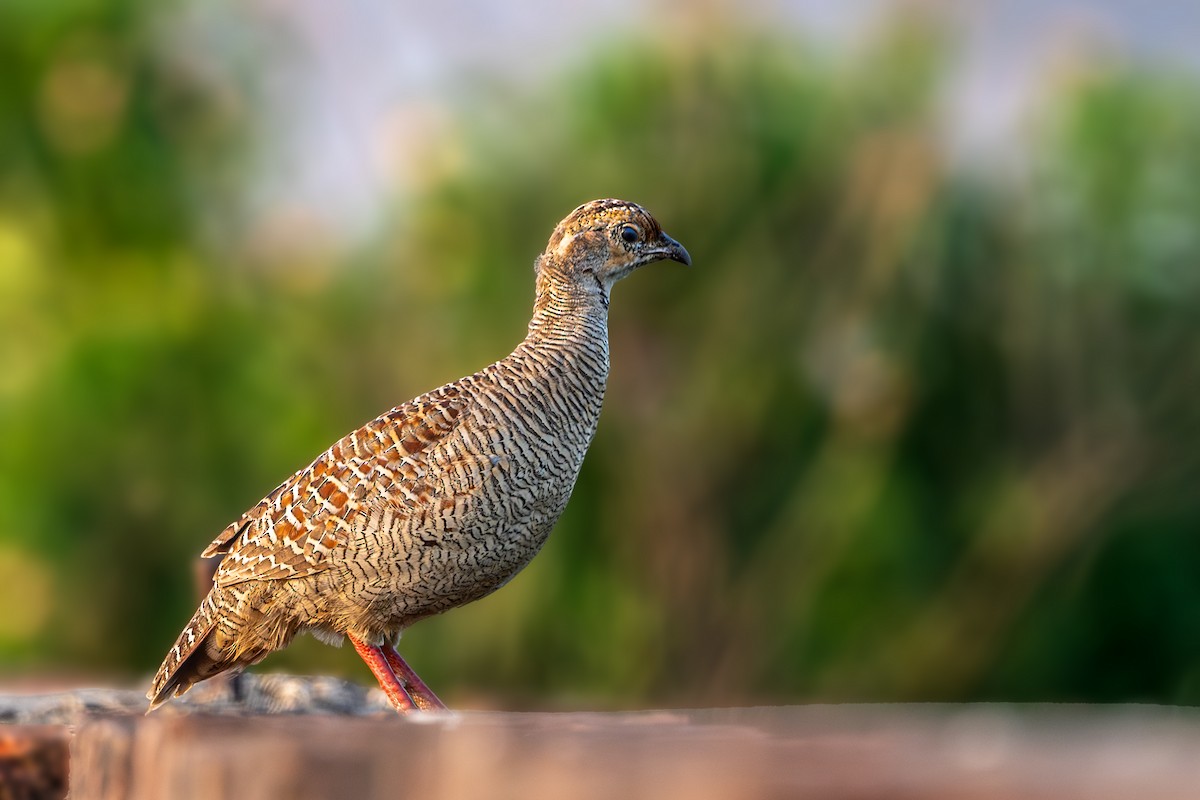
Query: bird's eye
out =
(629, 234)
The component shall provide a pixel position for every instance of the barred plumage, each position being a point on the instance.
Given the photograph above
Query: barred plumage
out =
(437, 502)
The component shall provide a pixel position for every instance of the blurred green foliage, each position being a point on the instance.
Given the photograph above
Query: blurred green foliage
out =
(903, 433)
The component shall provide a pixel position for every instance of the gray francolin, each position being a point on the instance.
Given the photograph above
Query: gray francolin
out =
(437, 502)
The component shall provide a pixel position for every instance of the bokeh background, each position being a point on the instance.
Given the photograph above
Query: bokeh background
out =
(921, 423)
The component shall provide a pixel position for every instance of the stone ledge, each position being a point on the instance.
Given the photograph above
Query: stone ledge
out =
(932, 752)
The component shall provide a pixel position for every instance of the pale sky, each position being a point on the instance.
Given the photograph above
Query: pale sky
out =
(354, 74)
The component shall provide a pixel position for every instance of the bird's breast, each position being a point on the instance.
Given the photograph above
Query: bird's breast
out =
(497, 485)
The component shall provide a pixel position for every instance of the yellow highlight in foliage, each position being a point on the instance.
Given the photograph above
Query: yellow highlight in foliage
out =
(24, 595)
(18, 257)
(22, 286)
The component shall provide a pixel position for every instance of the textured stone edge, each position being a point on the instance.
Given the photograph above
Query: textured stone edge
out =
(251, 695)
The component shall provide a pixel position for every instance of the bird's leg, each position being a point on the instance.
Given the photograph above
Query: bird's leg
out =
(424, 697)
(376, 658)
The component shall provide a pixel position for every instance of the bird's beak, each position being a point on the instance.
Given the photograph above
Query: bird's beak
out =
(670, 249)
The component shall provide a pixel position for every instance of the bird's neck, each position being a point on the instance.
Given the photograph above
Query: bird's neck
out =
(568, 312)
(570, 326)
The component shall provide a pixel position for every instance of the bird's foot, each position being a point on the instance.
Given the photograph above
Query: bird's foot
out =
(376, 659)
(416, 688)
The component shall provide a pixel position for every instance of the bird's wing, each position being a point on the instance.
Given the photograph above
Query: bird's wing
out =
(291, 531)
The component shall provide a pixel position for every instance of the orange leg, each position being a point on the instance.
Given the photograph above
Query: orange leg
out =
(376, 658)
(424, 697)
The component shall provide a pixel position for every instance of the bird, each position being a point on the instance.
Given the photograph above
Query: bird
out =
(435, 503)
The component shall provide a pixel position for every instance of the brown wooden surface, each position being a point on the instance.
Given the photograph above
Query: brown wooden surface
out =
(834, 752)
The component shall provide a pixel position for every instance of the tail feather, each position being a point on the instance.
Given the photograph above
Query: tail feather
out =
(189, 661)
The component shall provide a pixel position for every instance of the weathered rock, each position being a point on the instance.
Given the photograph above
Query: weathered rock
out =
(255, 694)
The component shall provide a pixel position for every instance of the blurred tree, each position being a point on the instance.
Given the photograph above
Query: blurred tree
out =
(112, 149)
(901, 434)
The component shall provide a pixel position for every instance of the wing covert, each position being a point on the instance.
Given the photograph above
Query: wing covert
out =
(292, 530)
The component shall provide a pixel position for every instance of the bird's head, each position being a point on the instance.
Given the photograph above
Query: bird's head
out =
(603, 241)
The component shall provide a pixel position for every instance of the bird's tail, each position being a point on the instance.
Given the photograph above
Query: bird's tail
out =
(190, 660)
